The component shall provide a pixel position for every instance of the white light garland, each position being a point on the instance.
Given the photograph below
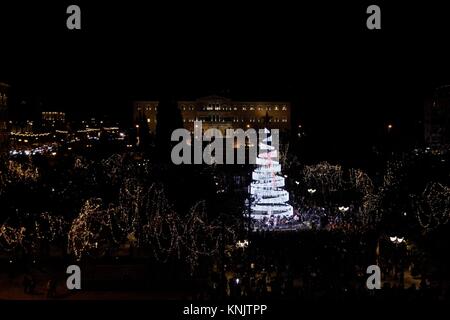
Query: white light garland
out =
(433, 206)
(269, 204)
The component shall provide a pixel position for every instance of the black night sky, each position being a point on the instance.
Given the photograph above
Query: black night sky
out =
(346, 82)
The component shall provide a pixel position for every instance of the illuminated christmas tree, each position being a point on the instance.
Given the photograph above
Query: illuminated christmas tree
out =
(268, 208)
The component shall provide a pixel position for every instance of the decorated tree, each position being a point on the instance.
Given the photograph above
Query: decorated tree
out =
(433, 206)
(269, 207)
(91, 233)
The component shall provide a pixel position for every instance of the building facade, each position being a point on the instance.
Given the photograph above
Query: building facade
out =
(53, 116)
(4, 119)
(437, 120)
(53, 119)
(221, 113)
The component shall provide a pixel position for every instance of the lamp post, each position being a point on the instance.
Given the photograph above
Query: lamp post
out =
(311, 192)
(397, 241)
(137, 136)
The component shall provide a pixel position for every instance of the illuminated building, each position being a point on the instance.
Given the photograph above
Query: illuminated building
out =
(53, 120)
(221, 113)
(4, 120)
(437, 120)
(55, 116)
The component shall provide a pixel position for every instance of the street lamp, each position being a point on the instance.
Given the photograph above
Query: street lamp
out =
(398, 265)
(397, 240)
(138, 140)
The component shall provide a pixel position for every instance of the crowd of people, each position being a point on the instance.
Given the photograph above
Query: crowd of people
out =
(307, 218)
(319, 265)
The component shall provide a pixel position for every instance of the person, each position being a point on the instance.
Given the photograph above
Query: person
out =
(32, 285)
(26, 284)
(51, 288)
(423, 284)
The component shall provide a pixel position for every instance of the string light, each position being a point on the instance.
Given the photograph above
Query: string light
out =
(29, 135)
(433, 206)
